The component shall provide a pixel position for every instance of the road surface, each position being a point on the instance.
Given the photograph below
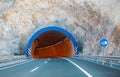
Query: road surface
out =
(62, 67)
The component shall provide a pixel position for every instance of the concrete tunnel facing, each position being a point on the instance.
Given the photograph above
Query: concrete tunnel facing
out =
(51, 42)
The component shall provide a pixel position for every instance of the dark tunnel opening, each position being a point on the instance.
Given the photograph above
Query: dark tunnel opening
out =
(52, 44)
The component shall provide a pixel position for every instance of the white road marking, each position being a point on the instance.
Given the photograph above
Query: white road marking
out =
(45, 61)
(34, 69)
(85, 72)
(13, 65)
(49, 59)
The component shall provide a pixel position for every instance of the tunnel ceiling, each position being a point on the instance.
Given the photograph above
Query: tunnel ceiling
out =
(54, 41)
(49, 38)
(52, 44)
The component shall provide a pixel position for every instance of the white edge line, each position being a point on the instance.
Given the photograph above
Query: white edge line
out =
(15, 65)
(85, 72)
(34, 69)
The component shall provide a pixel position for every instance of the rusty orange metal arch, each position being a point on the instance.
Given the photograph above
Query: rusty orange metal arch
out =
(36, 34)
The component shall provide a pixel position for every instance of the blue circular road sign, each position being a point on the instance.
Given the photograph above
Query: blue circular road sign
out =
(103, 42)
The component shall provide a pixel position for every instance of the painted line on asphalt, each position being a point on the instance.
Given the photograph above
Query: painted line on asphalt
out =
(15, 65)
(34, 69)
(85, 72)
(45, 62)
(49, 59)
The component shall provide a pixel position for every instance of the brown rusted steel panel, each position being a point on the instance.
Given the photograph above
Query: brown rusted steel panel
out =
(52, 44)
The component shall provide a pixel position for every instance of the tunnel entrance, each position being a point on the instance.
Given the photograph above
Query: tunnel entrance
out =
(51, 42)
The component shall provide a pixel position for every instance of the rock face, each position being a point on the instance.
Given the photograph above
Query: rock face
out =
(87, 20)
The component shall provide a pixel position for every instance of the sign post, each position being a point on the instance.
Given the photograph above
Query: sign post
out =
(103, 43)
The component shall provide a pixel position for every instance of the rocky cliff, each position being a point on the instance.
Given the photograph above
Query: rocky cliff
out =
(87, 20)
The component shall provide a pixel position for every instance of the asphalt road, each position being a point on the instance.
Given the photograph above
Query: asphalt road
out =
(62, 67)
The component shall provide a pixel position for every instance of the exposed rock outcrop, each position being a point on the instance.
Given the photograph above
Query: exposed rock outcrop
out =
(85, 19)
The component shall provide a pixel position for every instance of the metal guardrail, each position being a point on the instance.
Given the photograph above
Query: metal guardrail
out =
(12, 59)
(111, 61)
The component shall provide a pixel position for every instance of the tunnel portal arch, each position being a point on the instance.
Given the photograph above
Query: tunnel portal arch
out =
(36, 34)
